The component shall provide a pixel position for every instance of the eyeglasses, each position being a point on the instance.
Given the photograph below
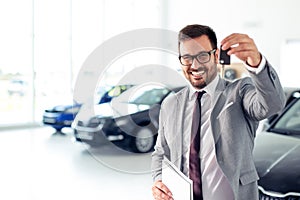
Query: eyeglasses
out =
(202, 57)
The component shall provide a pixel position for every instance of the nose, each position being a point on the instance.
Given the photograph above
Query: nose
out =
(195, 64)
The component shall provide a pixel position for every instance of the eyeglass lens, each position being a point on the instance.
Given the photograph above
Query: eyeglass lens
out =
(203, 57)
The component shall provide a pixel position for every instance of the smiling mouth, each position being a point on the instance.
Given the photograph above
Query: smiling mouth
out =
(197, 73)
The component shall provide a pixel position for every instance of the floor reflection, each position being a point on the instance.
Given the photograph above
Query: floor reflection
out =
(37, 163)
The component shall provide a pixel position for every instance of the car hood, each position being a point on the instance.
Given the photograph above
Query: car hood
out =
(277, 159)
(110, 109)
(61, 108)
(118, 109)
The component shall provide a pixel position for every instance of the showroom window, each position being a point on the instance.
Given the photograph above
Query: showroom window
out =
(52, 54)
(45, 43)
(16, 50)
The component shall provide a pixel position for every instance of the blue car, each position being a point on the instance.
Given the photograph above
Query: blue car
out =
(63, 115)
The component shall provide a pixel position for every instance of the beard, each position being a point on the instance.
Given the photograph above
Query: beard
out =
(201, 77)
(198, 85)
(198, 78)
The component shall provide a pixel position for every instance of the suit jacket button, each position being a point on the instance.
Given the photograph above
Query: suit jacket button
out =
(273, 75)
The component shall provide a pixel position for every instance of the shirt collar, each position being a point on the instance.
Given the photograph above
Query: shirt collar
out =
(209, 89)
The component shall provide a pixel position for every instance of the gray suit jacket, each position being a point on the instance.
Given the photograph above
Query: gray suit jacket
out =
(238, 107)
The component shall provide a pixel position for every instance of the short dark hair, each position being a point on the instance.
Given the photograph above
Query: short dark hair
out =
(196, 30)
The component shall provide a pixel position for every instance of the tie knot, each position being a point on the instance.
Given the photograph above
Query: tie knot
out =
(200, 94)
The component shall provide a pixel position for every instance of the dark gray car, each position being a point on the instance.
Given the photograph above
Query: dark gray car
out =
(277, 155)
(130, 122)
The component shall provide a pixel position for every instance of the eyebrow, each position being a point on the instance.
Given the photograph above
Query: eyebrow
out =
(195, 54)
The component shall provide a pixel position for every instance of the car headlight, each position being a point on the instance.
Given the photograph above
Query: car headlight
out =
(122, 121)
(73, 110)
(96, 120)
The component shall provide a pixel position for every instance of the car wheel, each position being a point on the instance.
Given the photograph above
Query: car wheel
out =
(230, 74)
(58, 130)
(144, 140)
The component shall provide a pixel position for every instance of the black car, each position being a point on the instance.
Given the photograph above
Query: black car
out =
(130, 120)
(277, 155)
(290, 93)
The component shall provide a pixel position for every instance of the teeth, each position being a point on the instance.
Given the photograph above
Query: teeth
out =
(198, 73)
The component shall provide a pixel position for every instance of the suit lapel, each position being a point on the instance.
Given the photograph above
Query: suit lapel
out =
(218, 102)
(181, 99)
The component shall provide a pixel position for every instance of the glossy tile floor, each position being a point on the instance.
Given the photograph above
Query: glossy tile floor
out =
(38, 164)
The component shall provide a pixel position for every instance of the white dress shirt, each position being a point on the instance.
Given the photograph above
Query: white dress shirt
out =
(215, 185)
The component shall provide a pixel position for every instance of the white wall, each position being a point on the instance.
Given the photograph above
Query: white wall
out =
(47, 42)
(268, 22)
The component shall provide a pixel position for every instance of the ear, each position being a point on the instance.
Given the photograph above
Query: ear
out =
(217, 53)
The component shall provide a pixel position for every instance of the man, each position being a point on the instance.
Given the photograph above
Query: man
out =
(230, 112)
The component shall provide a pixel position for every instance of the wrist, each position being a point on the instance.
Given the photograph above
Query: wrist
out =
(259, 68)
(254, 63)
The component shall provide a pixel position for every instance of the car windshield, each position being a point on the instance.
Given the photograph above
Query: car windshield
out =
(289, 122)
(149, 97)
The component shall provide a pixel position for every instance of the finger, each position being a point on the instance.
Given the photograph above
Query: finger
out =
(251, 57)
(235, 39)
(159, 194)
(164, 188)
(160, 191)
(243, 47)
(242, 55)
